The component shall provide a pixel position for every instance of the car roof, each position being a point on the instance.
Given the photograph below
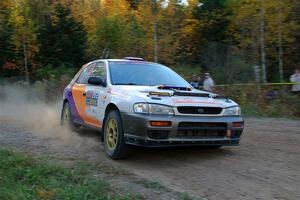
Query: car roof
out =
(124, 60)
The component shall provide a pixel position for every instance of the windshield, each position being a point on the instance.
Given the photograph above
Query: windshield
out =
(142, 73)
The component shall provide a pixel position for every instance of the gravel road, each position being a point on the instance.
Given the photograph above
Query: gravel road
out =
(266, 165)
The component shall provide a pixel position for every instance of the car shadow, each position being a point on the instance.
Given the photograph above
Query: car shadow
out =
(179, 152)
(157, 154)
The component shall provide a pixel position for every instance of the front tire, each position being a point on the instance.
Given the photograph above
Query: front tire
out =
(114, 142)
(67, 119)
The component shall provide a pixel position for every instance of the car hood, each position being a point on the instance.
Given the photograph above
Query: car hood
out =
(172, 97)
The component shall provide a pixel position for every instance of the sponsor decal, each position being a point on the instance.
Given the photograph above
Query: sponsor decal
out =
(91, 98)
(189, 100)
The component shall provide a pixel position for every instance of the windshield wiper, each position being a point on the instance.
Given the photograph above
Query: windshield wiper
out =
(172, 87)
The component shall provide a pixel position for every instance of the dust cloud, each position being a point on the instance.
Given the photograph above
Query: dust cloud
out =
(35, 109)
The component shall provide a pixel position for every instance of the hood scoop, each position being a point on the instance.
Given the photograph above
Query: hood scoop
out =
(182, 91)
(190, 94)
(161, 94)
(178, 93)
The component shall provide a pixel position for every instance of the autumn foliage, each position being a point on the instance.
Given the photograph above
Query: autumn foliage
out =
(225, 37)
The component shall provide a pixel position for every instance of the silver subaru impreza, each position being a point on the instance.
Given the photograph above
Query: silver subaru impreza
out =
(135, 102)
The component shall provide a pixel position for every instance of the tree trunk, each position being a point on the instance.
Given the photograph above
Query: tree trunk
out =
(25, 61)
(155, 13)
(155, 41)
(262, 41)
(280, 47)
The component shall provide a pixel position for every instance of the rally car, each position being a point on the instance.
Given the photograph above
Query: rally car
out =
(135, 102)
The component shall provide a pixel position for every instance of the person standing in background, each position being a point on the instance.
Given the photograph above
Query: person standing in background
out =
(194, 82)
(208, 83)
(295, 78)
(200, 83)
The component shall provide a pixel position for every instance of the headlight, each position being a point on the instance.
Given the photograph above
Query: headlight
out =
(232, 111)
(153, 109)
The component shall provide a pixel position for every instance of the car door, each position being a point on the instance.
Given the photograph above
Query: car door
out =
(79, 94)
(96, 96)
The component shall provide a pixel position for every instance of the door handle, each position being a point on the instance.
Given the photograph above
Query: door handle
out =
(84, 94)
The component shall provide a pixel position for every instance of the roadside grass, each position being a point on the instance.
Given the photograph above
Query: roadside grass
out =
(150, 184)
(22, 178)
(186, 196)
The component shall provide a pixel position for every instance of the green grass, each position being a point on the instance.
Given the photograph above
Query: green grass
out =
(150, 184)
(22, 178)
(186, 196)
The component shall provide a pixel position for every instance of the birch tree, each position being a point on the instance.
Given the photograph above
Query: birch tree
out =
(23, 38)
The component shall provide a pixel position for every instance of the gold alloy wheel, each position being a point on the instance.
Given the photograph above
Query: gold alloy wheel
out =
(112, 134)
(66, 116)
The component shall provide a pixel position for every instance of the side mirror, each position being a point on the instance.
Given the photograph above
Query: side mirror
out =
(96, 80)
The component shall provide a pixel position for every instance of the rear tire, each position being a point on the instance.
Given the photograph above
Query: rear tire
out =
(67, 118)
(114, 141)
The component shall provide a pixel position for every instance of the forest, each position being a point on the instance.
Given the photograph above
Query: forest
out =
(229, 38)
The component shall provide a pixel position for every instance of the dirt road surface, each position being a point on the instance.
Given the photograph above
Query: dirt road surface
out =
(266, 165)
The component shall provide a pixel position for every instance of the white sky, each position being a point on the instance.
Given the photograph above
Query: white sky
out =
(167, 1)
(184, 1)
(165, 4)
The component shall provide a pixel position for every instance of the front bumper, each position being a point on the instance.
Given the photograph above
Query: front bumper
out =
(184, 131)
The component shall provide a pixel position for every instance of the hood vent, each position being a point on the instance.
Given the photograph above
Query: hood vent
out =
(191, 94)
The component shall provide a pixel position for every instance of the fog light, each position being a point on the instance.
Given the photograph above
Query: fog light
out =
(160, 123)
(158, 135)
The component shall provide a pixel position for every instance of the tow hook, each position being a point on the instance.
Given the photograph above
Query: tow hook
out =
(228, 133)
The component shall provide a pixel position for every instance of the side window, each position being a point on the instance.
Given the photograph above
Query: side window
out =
(99, 70)
(85, 74)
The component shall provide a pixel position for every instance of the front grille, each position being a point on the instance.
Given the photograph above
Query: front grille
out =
(201, 130)
(199, 110)
(203, 125)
